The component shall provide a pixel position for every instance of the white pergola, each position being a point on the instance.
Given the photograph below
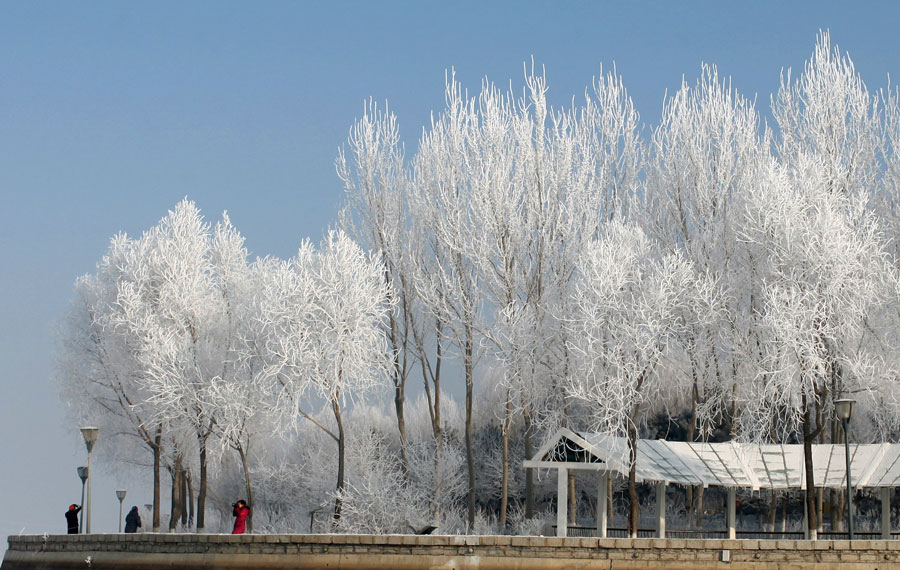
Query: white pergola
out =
(731, 465)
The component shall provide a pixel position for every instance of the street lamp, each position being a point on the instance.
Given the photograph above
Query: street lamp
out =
(843, 409)
(83, 474)
(90, 437)
(120, 493)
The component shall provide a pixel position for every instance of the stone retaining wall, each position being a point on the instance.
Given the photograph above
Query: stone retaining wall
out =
(211, 551)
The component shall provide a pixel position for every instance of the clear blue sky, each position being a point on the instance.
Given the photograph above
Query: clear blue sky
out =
(111, 112)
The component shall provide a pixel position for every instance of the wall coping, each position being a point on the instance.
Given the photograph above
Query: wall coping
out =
(151, 551)
(70, 542)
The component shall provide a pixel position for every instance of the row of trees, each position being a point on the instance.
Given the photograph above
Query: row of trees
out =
(560, 267)
(178, 340)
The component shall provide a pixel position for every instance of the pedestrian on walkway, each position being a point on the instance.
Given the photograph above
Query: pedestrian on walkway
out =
(132, 520)
(72, 518)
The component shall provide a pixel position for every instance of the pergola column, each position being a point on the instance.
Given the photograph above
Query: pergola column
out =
(732, 531)
(562, 502)
(661, 509)
(602, 485)
(886, 513)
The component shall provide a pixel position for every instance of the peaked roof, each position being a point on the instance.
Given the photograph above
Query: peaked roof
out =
(728, 464)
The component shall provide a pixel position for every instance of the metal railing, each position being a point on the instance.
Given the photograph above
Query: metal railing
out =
(617, 532)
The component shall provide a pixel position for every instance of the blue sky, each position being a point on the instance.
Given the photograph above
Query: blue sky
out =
(111, 112)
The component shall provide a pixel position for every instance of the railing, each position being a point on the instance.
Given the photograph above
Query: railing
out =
(614, 532)
(830, 535)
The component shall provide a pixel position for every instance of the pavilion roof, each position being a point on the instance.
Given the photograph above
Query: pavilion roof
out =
(728, 464)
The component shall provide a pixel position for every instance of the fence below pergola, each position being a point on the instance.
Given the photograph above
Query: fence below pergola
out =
(730, 465)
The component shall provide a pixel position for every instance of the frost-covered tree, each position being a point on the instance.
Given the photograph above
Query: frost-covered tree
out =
(544, 182)
(887, 198)
(634, 308)
(829, 114)
(378, 498)
(506, 190)
(324, 313)
(821, 258)
(441, 195)
(173, 303)
(236, 394)
(377, 217)
(99, 375)
(706, 155)
(827, 275)
(171, 309)
(438, 465)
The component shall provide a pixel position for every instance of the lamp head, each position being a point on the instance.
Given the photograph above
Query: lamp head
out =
(843, 409)
(82, 473)
(90, 436)
(120, 493)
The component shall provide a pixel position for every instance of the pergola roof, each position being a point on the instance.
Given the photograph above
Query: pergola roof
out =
(729, 464)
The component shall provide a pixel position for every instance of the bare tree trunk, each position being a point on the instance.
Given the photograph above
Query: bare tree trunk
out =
(691, 431)
(176, 504)
(784, 514)
(183, 496)
(610, 509)
(338, 501)
(399, 400)
(734, 411)
(399, 384)
(633, 506)
(573, 500)
(190, 499)
(774, 506)
(820, 503)
(157, 451)
(808, 438)
(634, 503)
(773, 510)
(820, 492)
(438, 436)
(435, 413)
(837, 496)
(529, 473)
(699, 501)
(699, 497)
(470, 452)
(438, 479)
(504, 480)
(201, 493)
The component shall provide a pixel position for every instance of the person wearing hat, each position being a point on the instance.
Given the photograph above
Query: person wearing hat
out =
(72, 518)
(132, 520)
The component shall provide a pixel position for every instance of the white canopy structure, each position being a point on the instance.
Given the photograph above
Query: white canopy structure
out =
(731, 465)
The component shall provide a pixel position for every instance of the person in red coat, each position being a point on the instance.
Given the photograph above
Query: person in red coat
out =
(241, 512)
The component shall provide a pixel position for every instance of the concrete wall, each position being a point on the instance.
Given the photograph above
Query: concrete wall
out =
(207, 551)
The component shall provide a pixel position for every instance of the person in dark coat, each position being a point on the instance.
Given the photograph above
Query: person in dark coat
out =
(72, 518)
(132, 520)
(241, 512)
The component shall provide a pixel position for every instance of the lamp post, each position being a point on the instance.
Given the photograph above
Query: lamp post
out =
(90, 437)
(83, 475)
(120, 494)
(843, 409)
